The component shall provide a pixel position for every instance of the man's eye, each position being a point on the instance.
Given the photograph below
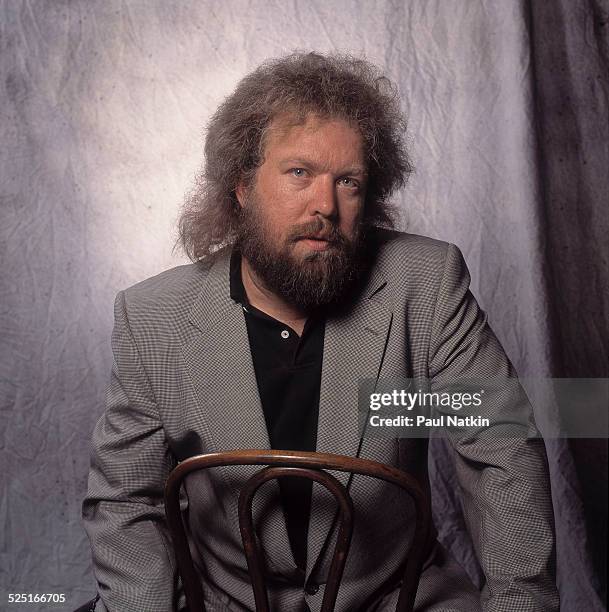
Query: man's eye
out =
(348, 182)
(298, 172)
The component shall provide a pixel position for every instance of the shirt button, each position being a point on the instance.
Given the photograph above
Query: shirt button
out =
(312, 588)
(285, 334)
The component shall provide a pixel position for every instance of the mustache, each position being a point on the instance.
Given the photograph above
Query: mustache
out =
(319, 230)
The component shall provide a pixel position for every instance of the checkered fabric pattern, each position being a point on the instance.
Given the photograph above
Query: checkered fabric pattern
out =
(183, 383)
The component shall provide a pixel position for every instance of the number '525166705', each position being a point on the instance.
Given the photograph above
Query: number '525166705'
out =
(36, 598)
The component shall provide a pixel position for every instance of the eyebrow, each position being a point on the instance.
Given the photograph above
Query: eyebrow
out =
(353, 171)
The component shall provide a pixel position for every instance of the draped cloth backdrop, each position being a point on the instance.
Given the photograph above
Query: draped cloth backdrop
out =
(101, 110)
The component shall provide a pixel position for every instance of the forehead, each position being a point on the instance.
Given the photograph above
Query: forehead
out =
(323, 139)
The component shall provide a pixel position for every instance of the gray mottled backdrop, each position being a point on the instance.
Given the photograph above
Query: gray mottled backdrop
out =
(102, 105)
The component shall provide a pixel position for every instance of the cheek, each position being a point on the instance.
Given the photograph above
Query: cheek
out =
(350, 217)
(284, 202)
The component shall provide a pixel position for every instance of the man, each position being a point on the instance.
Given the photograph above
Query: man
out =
(295, 295)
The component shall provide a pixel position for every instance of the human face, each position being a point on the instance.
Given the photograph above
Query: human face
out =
(301, 219)
(311, 172)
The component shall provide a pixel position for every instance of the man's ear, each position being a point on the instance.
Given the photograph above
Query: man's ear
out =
(241, 192)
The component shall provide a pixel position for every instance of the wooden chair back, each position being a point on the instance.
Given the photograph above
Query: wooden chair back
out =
(307, 465)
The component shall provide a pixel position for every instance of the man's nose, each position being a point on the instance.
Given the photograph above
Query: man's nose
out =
(324, 201)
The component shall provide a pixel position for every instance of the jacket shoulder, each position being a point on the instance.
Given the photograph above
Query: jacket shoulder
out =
(416, 267)
(168, 294)
(179, 278)
(402, 253)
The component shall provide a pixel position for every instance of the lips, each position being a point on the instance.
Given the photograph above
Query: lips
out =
(317, 244)
(325, 238)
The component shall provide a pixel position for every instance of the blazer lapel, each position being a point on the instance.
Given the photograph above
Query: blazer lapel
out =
(353, 349)
(220, 366)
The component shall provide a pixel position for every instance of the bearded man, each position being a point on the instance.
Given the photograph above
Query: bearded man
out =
(300, 288)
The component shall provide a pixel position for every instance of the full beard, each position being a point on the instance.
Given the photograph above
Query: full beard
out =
(320, 279)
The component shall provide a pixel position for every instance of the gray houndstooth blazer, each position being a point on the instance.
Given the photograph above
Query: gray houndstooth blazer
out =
(183, 384)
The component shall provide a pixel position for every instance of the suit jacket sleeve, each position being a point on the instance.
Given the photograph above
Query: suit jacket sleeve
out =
(504, 481)
(124, 512)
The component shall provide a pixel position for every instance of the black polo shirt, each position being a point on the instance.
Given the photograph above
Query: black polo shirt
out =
(288, 373)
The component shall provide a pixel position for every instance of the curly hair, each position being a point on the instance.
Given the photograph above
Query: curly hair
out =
(332, 86)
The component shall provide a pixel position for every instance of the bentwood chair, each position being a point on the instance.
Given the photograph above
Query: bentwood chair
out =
(306, 465)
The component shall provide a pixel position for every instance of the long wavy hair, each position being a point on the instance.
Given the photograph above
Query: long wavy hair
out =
(331, 86)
